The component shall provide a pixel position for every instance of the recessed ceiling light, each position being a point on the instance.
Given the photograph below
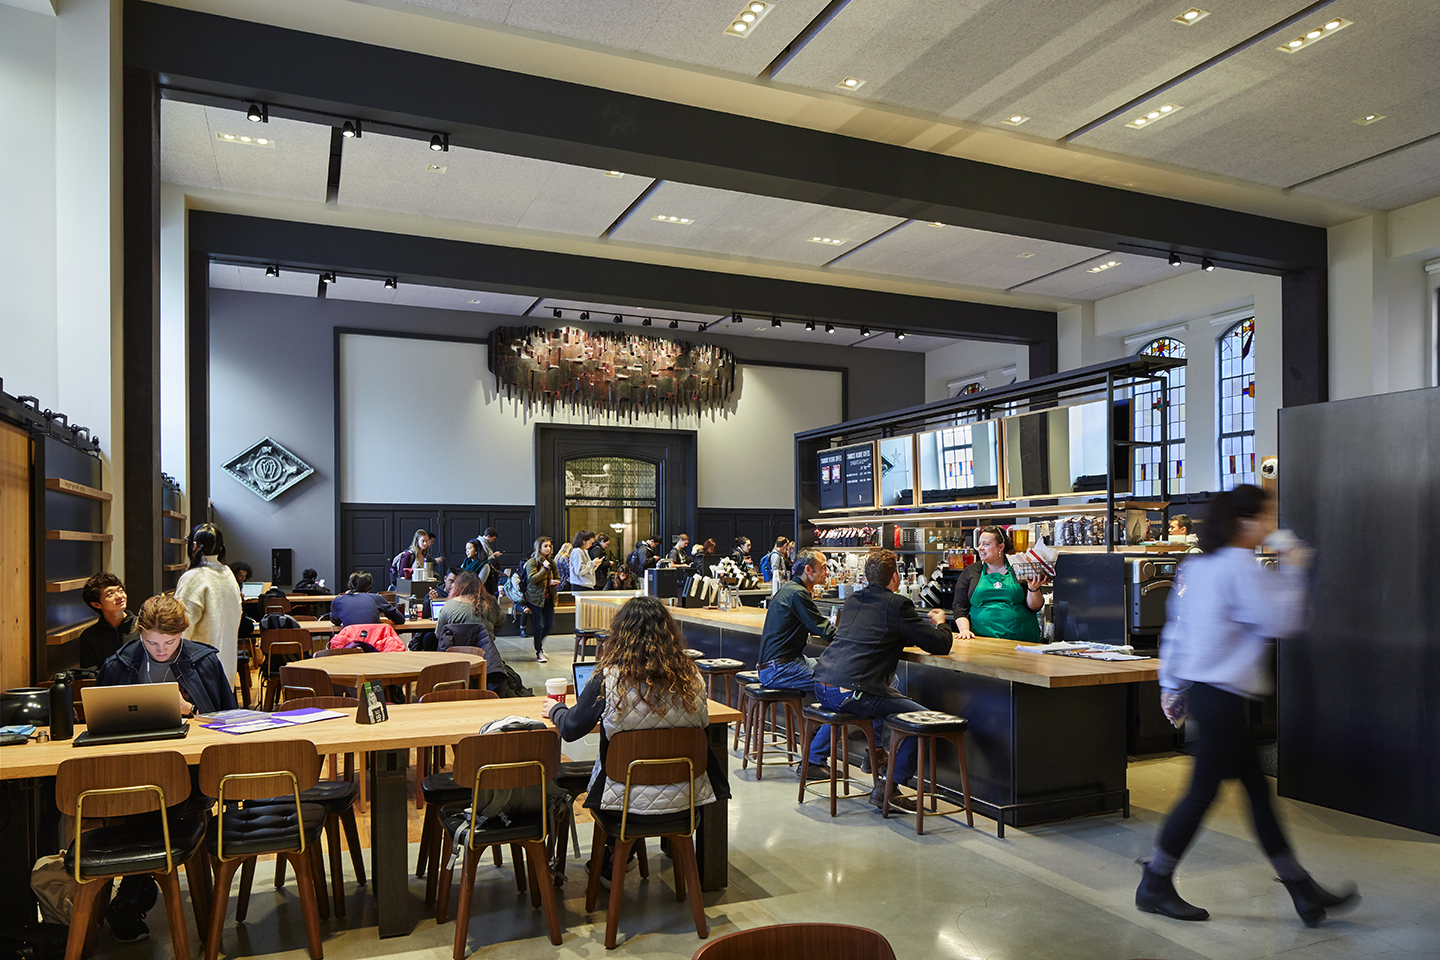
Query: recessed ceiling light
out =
(830, 240)
(1192, 16)
(614, 173)
(467, 301)
(936, 223)
(1102, 267)
(666, 219)
(851, 83)
(1024, 256)
(1153, 116)
(262, 141)
(1014, 120)
(1370, 118)
(435, 168)
(1314, 35)
(245, 139)
(748, 18)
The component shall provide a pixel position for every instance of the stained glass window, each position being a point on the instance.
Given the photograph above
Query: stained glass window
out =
(957, 457)
(1237, 405)
(970, 389)
(1149, 408)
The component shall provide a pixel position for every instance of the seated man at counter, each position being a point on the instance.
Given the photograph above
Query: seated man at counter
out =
(116, 627)
(791, 618)
(854, 673)
(990, 601)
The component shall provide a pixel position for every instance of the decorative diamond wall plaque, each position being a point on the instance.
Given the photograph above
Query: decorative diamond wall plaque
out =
(267, 469)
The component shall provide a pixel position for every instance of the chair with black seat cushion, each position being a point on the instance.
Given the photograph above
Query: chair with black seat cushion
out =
(646, 758)
(927, 726)
(798, 941)
(522, 760)
(159, 832)
(815, 716)
(762, 728)
(247, 778)
(450, 675)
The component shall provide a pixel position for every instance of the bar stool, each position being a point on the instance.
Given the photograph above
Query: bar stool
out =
(694, 654)
(585, 637)
(743, 679)
(927, 726)
(815, 716)
(721, 667)
(762, 701)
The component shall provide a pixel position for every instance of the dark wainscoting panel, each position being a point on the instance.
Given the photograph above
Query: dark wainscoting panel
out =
(1359, 693)
(371, 534)
(723, 525)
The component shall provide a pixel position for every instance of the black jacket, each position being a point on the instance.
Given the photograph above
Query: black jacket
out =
(352, 608)
(876, 625)
(100, 640)
(197, 667)
(791, 617)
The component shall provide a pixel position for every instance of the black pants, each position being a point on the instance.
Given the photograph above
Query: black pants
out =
(1224, 750)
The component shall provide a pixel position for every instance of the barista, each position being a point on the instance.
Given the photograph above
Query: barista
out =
(990, 601)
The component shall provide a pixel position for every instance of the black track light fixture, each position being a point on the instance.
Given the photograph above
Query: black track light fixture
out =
(1207, 265)
(810, 325)
(829, 328)
(557, 313)
(646, 322)
(258, 113)
(273, 270)
(584, 314)
(674, 324)
(350, 130)
(391, 283)
(864, 331)
(617, 319)
(440, 143)
(899, 334)
(774, 323)
(736, 318)
(1174, 259)
(327, 278)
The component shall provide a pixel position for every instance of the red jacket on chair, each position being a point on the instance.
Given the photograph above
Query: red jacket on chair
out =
(379, 636)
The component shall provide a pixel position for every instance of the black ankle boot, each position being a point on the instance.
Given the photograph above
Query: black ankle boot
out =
(1156, 894)
(1312, 900)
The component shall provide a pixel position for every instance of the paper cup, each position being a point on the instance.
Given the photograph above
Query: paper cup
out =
(556, 688)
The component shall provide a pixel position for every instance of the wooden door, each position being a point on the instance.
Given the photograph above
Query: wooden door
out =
(368, 545)
(16, 623)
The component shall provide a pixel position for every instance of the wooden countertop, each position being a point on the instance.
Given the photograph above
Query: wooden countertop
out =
(982, 656)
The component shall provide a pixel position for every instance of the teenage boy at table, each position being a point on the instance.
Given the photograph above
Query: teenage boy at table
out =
(116, 626)
(162, 655)
(854, 672)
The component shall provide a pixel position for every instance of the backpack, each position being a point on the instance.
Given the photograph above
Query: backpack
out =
(524, 577)
(765, 571)
(636, 560)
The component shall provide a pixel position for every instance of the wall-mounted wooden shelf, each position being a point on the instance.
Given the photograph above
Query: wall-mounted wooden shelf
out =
(172, 514)
(65, 634)
(60, 586)
(77, 489)
(174, 566)
(85, 535)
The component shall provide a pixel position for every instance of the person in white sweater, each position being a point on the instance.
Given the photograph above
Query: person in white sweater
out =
(211, 595)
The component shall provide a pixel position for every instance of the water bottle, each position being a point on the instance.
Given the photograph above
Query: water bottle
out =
(62, 709)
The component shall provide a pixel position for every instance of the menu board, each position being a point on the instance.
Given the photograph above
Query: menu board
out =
(860, 476)
(832, 479)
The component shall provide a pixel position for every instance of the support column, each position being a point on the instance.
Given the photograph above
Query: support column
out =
(1305, 336)
(197, 359)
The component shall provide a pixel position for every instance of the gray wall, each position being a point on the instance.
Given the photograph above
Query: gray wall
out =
(272, 374)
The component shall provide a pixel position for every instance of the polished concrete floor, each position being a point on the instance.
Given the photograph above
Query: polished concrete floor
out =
(1063, 890)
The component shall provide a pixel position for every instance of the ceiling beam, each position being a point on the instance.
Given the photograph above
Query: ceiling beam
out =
(514, 113)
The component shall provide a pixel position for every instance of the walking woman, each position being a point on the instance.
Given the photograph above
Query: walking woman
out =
(540, 582)
(211, 596)
(1215, 656)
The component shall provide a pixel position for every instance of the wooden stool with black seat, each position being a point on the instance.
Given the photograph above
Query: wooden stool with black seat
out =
(788, 941)
(815, 716)
(586, 638)
(240, 774)
(522, 760)
(722, 667)
(648, 758)
(159, 832)
(694, 654)
(762, 702)
(744, 679)
(927, 726)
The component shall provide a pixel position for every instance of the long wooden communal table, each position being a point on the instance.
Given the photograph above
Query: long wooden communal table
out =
(1046, 738)
(324, 628)
(389, 743)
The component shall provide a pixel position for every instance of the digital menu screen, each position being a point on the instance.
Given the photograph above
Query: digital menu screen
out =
(832, 479)
(860, 476)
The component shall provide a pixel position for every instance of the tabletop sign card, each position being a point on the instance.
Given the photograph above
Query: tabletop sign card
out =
(372, 707)
(860, 476)
(832, 479)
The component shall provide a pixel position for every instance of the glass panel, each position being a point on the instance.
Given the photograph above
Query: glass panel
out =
(1237, 405)
(601, 492)
(1148, 404)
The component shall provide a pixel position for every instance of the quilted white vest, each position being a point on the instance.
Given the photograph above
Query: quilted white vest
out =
(656, 798)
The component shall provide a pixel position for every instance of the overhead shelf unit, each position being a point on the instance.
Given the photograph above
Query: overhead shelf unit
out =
(1050, 447)
(173, 530)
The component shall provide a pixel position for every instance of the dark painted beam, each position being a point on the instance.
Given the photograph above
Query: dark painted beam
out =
(1305, 337)
(197, 365)
(588, 126)
(567, 276)
(140, 332)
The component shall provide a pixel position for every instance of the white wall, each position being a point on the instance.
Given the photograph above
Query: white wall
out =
(174, 400)
(482, 449)
(973, 358)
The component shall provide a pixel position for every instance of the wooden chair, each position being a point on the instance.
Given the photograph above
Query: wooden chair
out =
(437, 788)
(279, 647)
(305, 618)
(245, 771)
(450, 675)
(799, 941)
(298, 680)
(475, 652)
(131, 786)
(503, 761)
(336, 652)
(270, 605)
(644, 758)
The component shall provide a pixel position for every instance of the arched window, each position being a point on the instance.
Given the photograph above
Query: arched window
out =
(1237, 405)
(970, 389)
(1149, 408)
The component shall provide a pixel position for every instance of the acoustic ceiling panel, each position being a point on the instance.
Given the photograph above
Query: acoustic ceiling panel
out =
(1282, 118)
(397, 173)
(1062, 63)
(961, 255)
(690, 31)
(229, 276)
(1131, 271)
(744, 225)
(1386, 183)
(194, 152)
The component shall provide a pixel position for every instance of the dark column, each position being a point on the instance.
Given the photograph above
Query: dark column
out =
(1045, 357)
(1305, 336)
(197, 366)
(140, 349)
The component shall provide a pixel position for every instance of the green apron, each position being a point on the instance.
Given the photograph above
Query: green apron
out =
(997, 609)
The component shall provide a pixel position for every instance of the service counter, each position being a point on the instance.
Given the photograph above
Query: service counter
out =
(1047, 734)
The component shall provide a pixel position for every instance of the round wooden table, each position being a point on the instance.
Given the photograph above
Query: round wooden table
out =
(388, 668)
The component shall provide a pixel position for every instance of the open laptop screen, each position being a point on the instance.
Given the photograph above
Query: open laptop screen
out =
(252, 588)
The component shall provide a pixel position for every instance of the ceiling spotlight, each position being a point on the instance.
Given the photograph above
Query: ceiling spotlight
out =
(617, 319)
(736, 318)
(668, 219)
(616, 174)
(350, 131)
(864, 331)
(674, 324)
(390, 283)
(1153, 116)
(1370, 118)
(899, 334)
(810, 325)
(1174, 259)
(557, 313)
(440, 143)
(1102, 267)
(1192, 16)
(1207, 265)
(748, 18)
(1014, 120)
(851, 83)
(774, 322)
(272, 271)
(257, 114)
(1314, 35)
(584, 314)
(646, 322)
(327, 278)
(829, 328)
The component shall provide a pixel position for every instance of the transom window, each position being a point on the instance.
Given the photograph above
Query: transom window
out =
(1237, 405)
(1150, 407)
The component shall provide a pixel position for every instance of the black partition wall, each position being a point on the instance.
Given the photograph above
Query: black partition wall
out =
(1359, 693)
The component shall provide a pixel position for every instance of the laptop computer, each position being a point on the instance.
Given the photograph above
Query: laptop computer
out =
(251, 589)
(435, 607)
(582, 672)
(131, 713)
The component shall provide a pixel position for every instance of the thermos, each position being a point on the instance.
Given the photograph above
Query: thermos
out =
(62, 709)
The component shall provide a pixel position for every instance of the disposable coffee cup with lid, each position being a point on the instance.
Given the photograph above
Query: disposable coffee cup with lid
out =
(556, 688)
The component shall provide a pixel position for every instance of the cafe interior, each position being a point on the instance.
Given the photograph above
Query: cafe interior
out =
(859, 274)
